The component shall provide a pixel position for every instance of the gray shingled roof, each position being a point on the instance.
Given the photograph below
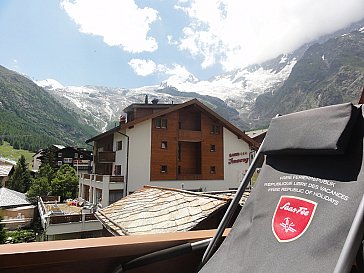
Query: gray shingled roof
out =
(158, 210)
(10, 198)
(5, 170)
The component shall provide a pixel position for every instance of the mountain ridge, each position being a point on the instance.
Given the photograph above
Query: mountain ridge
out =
(328, 72)
(32, 119)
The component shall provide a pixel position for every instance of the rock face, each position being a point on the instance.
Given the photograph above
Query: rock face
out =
(328, 73)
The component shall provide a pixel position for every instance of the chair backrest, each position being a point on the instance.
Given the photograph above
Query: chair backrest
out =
(309, 188)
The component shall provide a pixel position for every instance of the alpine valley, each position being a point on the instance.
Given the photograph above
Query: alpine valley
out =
(326, 72)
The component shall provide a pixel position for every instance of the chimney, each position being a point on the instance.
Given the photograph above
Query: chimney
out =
(122, 119)
(146, 99)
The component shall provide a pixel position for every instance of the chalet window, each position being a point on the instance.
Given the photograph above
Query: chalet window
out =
(215, 129)
(76, 155)
(59, 154)
(164, 145)
(117, 170)
(119, 145)
(212, 148)
(212, 169)
(81, 156)
(163, 168)
(67, 160)
(161, 123)
(59, 163)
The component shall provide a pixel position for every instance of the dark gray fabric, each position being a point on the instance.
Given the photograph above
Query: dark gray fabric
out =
(334, 182)
(321, 130)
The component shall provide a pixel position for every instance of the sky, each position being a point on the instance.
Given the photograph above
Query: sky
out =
(134, 43)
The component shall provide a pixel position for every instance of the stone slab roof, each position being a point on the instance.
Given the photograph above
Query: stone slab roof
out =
(158, 210)
(5, 170)
(10, 198)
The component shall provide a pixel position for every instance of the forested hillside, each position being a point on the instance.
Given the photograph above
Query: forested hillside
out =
(32, 119)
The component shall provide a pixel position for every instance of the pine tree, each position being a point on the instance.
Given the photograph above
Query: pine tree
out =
(49, 157)
(41, 184)
(21, 179)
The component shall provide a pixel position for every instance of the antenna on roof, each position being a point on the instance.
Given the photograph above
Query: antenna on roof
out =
(155, 101)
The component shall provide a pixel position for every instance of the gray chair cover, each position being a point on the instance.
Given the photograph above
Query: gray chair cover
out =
(308, 191)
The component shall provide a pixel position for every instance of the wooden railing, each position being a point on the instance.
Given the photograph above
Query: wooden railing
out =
(106, 157)
(188, 135)
(116, 178)
(90, 217)
(86, 176)
(189, 177)
(100, 254)
(72, 218)
(58, 219)
(99, 178)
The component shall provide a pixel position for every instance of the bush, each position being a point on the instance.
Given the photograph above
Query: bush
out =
(19, 236)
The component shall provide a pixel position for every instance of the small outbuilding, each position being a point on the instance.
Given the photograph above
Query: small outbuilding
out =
(15, 209)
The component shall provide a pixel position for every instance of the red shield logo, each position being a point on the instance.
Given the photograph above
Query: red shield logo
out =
(292, 217)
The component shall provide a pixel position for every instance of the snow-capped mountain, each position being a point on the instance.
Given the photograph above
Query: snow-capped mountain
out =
(245, 96)
(235, 91)
(50, 84)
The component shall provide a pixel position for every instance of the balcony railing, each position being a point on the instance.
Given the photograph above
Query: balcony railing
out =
(100, 254)
(58, 219)
(106, 157)
(188, 135)
(189, 177)
(116, 179)
(102, 178)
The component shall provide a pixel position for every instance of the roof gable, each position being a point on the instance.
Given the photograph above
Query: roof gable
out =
(240, 134)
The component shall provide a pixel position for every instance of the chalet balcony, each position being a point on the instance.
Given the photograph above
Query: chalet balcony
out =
(92, 187)
(60, 219)
(106, 157)
(101, 254)
(189, 177)
(189, 135)
(112, 182)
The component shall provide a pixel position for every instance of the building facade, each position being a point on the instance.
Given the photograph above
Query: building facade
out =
(186, 146)
(80, 159)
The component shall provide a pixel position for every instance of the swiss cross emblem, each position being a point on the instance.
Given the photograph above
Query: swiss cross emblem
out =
(292, 217)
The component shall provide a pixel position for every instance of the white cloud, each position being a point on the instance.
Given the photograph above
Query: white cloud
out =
(120, 22)
(175, 72)
(236, 33)
(171, 40)
(178, 73)
(143, 67)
